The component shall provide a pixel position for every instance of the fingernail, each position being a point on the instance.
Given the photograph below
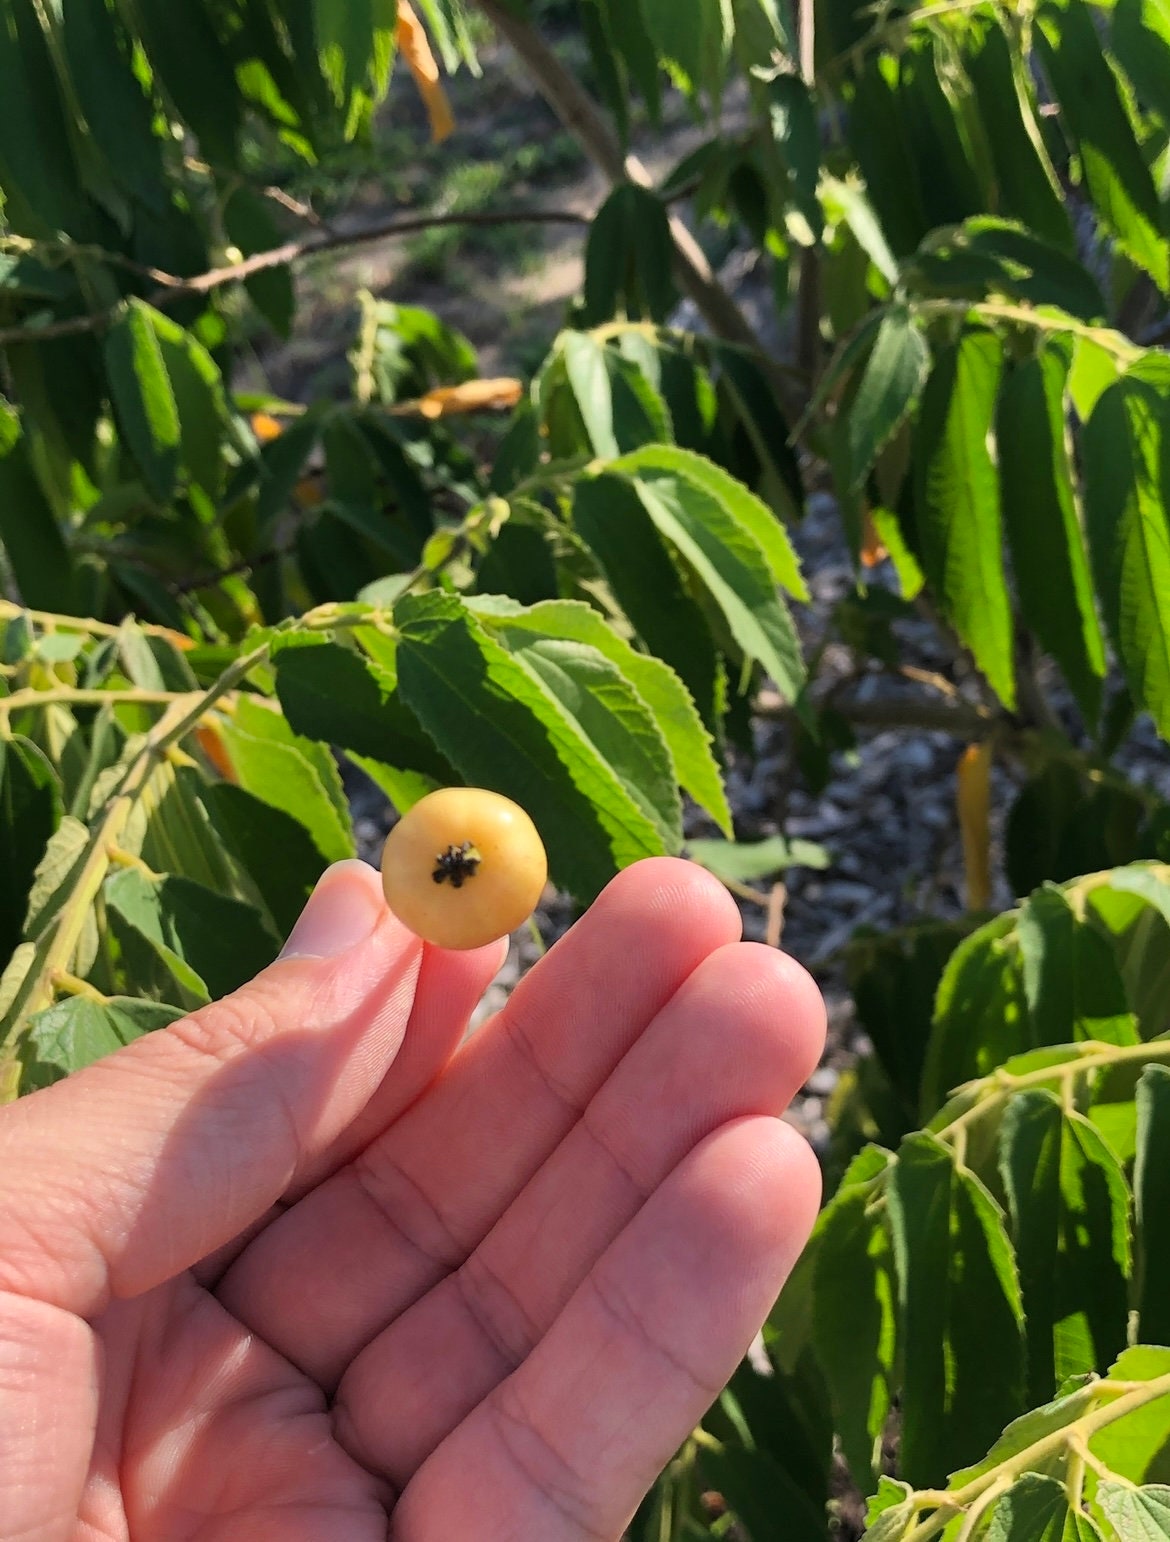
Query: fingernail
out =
(342, 911)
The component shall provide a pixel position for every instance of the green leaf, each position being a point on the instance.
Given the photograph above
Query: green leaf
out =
(958, 507)
(695, 767)
(627, 29)
(1069, 1204)
(282, 464)
(981, 1016)
(1140, 33)
(118, 113)
(1151, 1188)
(1074, 989)
(1034, 1509)
(291, 774)
(1138, 1514)
(890, 1511)
(148, 955)
(38, 171)
(957, 1294)
(200, 401)
(762, 1495)
(588, 374)
(1063, 825)
(984, 256)
(1028, 185)
(894, 375)
(30, 811)
(33, 542)
(629, 258)
(752, 398)
(250, 225)
(277, 851)
(750, 861)
(143, 398)
(1094, 113)
(1043, 529)
(1134, 1447)
(75, 1033)
(744, 507)
(728, 559)
(854, 1325)
(1126, 453)
(503, 726)
(1071, 1403)
(612, 521)
(194, 71)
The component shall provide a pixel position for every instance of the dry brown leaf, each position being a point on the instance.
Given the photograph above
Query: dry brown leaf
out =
(974, 803)
(471, 396)
(265, 427)
(415, 48)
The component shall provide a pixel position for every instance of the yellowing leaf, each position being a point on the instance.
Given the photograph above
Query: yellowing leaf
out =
(974, 801)
(471, 396)
(209, 740)
(416, 50)
(265, 427)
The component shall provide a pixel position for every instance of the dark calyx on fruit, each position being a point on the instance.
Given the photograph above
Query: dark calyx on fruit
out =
(456, 865)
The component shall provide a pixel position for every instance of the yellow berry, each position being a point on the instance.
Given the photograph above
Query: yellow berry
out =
(463, 868)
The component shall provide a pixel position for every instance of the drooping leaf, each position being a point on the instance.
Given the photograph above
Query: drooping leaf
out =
(888, 388)
(675, 714)
(1074, 989)
(143, 397)
(980, 1014)
(504, 726)
(957, 1292)
(612, 521)
(1140, 34)
(277, 850)
(1092, 108)
(957, 504)
(762, 1495)
(33, 542)
(30, 810)
(1126, 451)
(728, 559)
(1151, 1189)
(194, 69)
(1043, 530)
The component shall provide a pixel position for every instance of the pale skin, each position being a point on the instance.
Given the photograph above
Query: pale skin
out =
(308, 1267)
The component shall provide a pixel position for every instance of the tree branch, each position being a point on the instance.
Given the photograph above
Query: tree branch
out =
(172, 287)
(577, 111)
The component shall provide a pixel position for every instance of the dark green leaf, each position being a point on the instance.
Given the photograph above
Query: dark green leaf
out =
(1034, 1509)
(981, 1016)
(992, 256)
(33, 542)
(276, 850)
(627, 29)
(1093, 111)
(200, 401)
(1141, 40)
(854, 1325)
(1151, 1187)
(957, 504)
(611, 519)
(894, 375)
(282, 464)
(1126, 450)
(143, 398)
(1028, 185)
(1043, 528)
(957, 1294)
(118, 113)
(1073, 986)
(880, 138)
(250, 225)
(30, 811)
(753, 400)
(194, 70)
(1062, 826)
(38, 172)
(134, 913)
(762, 1495)
(629, 258)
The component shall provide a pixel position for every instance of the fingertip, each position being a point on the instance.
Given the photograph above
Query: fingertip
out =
(341, 913)
(660, 886)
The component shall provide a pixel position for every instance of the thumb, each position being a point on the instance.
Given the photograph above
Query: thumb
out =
(134, 1169)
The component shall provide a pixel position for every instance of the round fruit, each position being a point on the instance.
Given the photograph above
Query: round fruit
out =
(463, 868)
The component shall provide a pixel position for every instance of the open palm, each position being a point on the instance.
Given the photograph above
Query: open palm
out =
(309, 1265)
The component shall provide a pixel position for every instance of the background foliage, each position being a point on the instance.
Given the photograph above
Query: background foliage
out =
(577, 587)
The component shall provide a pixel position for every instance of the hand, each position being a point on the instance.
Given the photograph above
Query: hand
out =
(307, 1260)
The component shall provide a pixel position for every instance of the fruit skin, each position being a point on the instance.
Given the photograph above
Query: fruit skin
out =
(463, 868)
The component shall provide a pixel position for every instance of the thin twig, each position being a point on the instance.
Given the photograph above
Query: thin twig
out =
(173, 288)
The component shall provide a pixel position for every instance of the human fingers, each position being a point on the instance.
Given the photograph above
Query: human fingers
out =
(367, 1243)
(566, 1447)
(131, 1171)
(739, 1038)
